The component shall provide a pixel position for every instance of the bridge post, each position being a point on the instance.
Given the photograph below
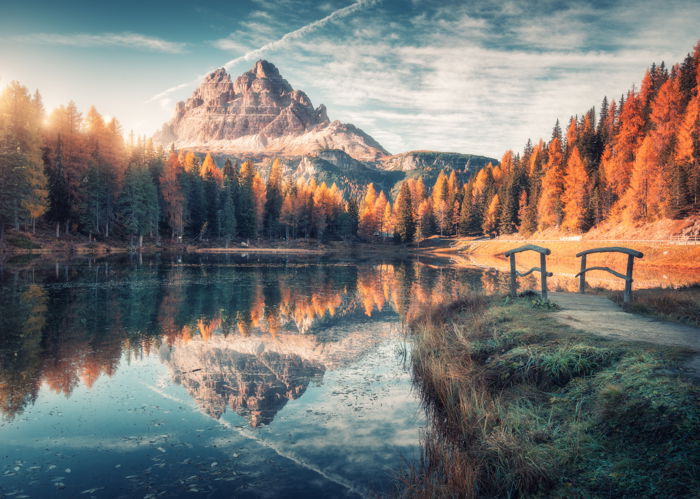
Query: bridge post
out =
(513, 283)
(543, 266)
(628, 279)
(631, 255)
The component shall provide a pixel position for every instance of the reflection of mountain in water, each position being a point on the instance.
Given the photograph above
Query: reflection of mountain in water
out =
(255, 385)
(257, 375)
(257, 332)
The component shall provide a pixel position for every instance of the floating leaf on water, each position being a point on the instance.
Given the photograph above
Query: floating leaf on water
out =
(214, 464)
(51, 467)
(91, 491)
(160, 449)
(67, 470)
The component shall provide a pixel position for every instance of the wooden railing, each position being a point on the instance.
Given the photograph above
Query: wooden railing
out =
(542, 269)
(631, 255)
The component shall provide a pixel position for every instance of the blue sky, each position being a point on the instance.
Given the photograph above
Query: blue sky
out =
(477, 77)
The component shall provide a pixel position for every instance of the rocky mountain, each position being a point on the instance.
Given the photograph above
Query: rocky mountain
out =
(255, 376)
(260, 116)
(260, 112)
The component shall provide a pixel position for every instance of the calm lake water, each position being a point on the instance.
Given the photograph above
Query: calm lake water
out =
(212, 375)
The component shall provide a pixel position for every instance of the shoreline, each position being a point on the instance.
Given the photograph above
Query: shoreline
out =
(517, 401)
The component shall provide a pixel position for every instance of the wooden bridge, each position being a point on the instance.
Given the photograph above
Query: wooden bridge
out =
(542, 269)
(598, 315)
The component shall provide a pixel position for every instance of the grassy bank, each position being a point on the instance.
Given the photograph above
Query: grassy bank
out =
(679, 305)
(522, 406)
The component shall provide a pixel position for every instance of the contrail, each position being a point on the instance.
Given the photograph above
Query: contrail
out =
(292, 35)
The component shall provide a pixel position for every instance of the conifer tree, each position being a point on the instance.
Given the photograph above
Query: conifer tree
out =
(550, 209)
(173, 196)
(576, 195)
(23, 193)
(404, 230)
(273, 200)
(491, 217)
(245, 206)
(228, 221)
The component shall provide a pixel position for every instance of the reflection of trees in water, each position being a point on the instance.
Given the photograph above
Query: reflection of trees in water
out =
(73, 324)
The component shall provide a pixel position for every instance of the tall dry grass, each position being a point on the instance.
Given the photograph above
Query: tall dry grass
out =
(521, 406)
(474, 447)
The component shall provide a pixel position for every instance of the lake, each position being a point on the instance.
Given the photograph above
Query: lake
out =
(212, 375)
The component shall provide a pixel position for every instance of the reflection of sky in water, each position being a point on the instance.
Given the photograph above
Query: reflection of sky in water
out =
(338, 413)
(137, 431)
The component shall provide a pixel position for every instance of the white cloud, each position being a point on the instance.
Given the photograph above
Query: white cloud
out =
(476, 77)
(281, 42)
(127, 40)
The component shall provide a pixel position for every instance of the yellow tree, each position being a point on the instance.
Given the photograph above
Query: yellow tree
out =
(638, 199)
(368, 219)
(387, 220)
(173, 196)
(688, 147)
(550, 204)
(210, 170)
(576, 193)
(491, 217)
(259, 199)
(617, 165)
(379, 209)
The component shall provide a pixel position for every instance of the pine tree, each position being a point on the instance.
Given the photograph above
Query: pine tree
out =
(23, 184)
(576, 194)
(687, 156)
(138, 203)
(245, 206)
(404, 230)
(368, 225)
(550, 209)
(173, 196)
(228, 222)
(491, 217)
(273, 200)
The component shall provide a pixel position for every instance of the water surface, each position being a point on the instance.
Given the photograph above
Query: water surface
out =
(212, 375)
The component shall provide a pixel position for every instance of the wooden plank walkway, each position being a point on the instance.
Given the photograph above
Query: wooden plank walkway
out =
(596, 314)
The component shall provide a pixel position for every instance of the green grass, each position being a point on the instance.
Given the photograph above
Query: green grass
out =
(520, 405)
(678, 305)
(22, 242)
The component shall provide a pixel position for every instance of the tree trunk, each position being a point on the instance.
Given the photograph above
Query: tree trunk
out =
(33, 225)
(58, 230)
(140, 241)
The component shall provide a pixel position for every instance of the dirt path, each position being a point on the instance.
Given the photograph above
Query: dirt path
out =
(598, 315)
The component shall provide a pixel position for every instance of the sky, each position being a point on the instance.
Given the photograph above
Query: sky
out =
(474, 77)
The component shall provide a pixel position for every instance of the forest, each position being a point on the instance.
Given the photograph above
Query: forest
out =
(633, 161)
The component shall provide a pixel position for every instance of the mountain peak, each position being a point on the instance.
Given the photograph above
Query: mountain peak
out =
(259, 112)
(217, 75)
(264, 69)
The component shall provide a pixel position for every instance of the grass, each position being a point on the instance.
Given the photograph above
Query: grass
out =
(21, 241)
(520, 405)
(678, 305)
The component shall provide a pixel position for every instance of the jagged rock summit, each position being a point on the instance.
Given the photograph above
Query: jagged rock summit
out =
(257, 113)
